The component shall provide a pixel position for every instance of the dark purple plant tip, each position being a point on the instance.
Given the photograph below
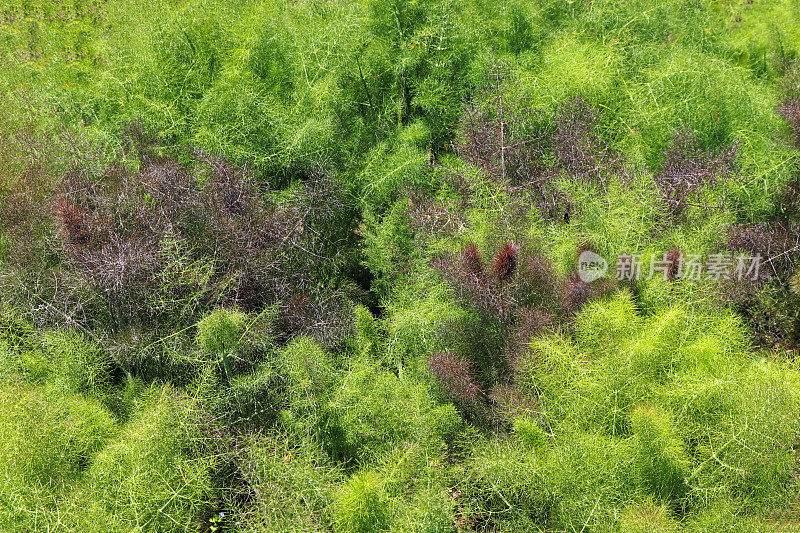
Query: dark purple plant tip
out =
(576, 293)
(466, 275)
(74, 222)
(673, 258)
(505, 262)
(471, 261)
(537, 281)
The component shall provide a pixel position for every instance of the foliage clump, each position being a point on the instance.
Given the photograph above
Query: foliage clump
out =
(322, 266)
(662, 463)
(155, 471)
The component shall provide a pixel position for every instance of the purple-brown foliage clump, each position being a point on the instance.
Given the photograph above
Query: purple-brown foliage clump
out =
(776, 242)
(578, 150)
(159, 234)
(505, 262)
(503, 139)
(454, 374)
(523, 149)
(74, 221)
(688, 169)
(521, 299)
(519, 281)
(27, 179)
(480, 142)
(789, 108)
(537, 281)
(673, 259)
(789, 200)
(575, 292)
(767, 303)
(790, 111)
(471, 262)
(467, 275)
(509, 402)
(428, 216)
(500, 145)
(530, 323)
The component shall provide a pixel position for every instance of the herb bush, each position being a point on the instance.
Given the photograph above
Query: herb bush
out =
(314, 265)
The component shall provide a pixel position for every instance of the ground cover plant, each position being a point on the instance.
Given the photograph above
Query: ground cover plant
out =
(382, 265)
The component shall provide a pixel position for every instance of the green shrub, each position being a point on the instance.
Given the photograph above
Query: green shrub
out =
(188, 53)
(521, 31)
(604, 325)
(661, 462)
(20, 348)
(386, 171)
(430, 510)
(153, 475)
(654, 350)
(78, 365)
(701, 92)
(744, 428)
(124, 399)
(46, 445)
(293, 483)
(220, 331)
(151, 355)
(723, 515)
(219, 334)
(250, 400)
(414, 330)
(373, 411)
(16, 332)
(550, 369)
(309, 368)
(639, 23)
(241, 119)
(310, 381)
(654, 294)
(388, 247)
(362, 505)
(63, 358)
(629, 372)
(529, 432)
(572, 66)
(590, 477)
(368, 339)
(270, 59)
(647, 517)
(415, 477)
(505, 485)
(759, 37)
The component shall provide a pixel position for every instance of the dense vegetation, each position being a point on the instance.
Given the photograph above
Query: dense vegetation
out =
(310, 265)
